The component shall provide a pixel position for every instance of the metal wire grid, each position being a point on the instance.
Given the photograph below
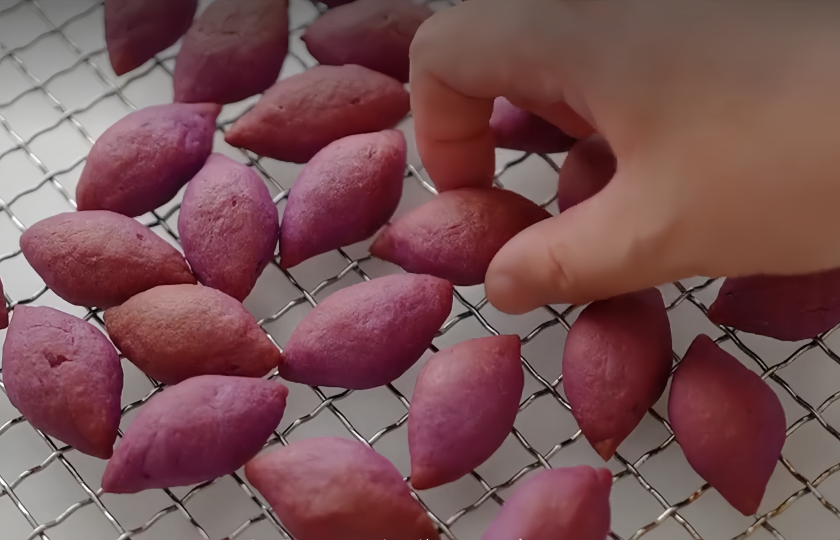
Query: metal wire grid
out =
(471, 310)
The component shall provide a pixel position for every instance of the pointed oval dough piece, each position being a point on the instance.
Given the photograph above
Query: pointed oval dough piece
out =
(463, 407)
(587, 169)
(195, 431)
(789, 308)
(175, 332)
(369, 334)
(729, 423)
(518, 129)
(616, 363)
(456, 235)
(558, 504)
(233, 51)
(375, 34)
(228, 226)
(344, 195)
(347, 491)
(65, 377)
(136, 30)
(100, 259)
(299, 116)
(142, 161)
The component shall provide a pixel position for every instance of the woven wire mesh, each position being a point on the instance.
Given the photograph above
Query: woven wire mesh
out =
(645, 502)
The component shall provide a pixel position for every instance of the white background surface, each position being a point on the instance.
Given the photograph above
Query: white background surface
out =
(56, 47)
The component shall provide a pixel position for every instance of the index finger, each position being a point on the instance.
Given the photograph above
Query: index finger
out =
(452, 129)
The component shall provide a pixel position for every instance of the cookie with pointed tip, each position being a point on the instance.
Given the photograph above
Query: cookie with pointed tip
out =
(228, 226)
(299, 116)
(344, 195)
(175, 332)
(558, 504)
(65, 377)
(100, 259)
(788, 308)
(233, 51)
(194, 432)
(729, 423)
(347, 491)
(616, 363)
(4, 310)
(369, 334)
(463, 407)
(136, 30)
(518, 129)
(375, 34)
(588, 168)
(143, 160)
(456, 235)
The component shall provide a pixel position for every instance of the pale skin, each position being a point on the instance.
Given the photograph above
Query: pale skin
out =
(724, 116)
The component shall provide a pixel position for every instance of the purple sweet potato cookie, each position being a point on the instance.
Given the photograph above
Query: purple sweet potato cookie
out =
(65, 377)
(344, 195)
(235, 50)
(369, 334)
(464, 405)
(136, 30)
(330, 488)
(729, 423)
(518, 129)
(789, 308)
(175, 332)
(195, 431)
(457, 234)
(375, 34)
(300, 115)
(588, 168)
(4, 311)
(616, 364)
(558, 504)
(228, 226)
(100, 259)
(142, 161)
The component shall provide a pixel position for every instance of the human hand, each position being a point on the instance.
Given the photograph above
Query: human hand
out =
(723, 116)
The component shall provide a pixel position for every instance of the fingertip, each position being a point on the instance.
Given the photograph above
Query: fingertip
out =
(523, 276)
(459, 164)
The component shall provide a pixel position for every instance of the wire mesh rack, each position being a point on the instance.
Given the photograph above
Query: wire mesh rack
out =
(58, 93)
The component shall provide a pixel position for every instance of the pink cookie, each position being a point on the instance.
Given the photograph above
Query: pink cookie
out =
(330, 489)
(65, 377)
(228, 226)
(299, 116)
(616, 364)
(729, 423)
(559, 504)
(195, 431)
(143, 160)
(136, 30)
(369, 334)
(100, 259)
(456, 235)
(464, 405)
(344, 195)
(789, 308)
(375, 34)
(234, 50)
(518, 129)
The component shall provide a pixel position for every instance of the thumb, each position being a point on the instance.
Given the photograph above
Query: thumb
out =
(616, 242)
